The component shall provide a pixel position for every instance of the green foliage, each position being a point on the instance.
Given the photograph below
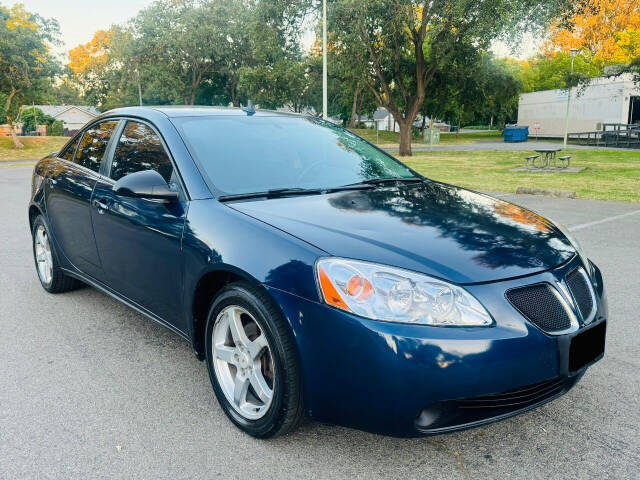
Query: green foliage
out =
(26, 64)
(56, 129)
(548, 72)
(405, 43)
(31, 117)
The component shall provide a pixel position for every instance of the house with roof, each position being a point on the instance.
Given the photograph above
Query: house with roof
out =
(73, 117)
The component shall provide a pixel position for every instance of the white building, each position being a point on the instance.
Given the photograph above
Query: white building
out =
(383, 118)
(73, 117)
(604, 100)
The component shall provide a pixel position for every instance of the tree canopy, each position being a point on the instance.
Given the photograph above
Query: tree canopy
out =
(405, 43)
(26, 64)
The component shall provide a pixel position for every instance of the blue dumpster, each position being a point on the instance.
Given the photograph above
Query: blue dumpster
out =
(516, 134)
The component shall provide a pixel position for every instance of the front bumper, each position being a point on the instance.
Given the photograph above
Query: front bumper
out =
(408, 380)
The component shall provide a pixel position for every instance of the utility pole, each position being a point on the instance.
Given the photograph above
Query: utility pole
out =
(574, 52)
(139, 87)
(325, 115)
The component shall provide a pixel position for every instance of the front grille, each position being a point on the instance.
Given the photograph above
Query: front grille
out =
(581, 291)
(541, 305)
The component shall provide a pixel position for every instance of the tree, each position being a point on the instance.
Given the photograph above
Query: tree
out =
(406, 42)
(31, 117)
(600, 28)
(276, 74)
(90, 64)
(26, 64)
(552, 71)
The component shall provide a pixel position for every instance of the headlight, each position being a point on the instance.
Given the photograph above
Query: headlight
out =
(394, 295)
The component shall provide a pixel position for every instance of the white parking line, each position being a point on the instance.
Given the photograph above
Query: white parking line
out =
(604, 220)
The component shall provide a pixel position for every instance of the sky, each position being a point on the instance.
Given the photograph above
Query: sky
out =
(80, 19)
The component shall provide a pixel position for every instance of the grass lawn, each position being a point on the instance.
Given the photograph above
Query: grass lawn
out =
(391, 139)
(34, 147)
(609, 175)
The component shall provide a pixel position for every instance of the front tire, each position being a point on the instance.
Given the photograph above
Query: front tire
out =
(252, 362)
(51, 276)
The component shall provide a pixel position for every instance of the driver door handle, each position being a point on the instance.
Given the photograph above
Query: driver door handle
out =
(101, 205)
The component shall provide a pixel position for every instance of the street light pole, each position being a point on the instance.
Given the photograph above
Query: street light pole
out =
(574, 52)
(325, 115)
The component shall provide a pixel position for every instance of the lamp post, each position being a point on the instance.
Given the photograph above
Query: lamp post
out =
(325, 115)
(574, 52)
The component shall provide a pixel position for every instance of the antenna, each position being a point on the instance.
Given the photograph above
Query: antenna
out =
(249, 109)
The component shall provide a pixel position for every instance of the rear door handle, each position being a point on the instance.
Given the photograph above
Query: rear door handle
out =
(101, 205)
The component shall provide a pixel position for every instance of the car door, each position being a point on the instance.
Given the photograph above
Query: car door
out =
(71, 178)
(139, 240)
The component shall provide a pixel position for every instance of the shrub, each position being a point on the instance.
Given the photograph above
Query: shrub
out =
(56, 129)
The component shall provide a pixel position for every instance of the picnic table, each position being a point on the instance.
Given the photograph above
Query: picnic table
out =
(545, 157)
(548, 154)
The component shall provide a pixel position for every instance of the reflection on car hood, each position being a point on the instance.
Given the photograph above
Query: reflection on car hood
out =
(437, 229)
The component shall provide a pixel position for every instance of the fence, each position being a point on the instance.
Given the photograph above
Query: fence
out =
(612, 135)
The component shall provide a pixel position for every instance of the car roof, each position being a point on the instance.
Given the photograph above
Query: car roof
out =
(173, 111)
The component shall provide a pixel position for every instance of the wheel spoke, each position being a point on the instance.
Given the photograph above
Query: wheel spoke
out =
(41, 238)
(255, 347)
(237, 329)
(240, 388)
(260, 386)
(226, 354)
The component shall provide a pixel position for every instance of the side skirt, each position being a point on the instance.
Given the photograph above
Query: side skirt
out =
(129, 303)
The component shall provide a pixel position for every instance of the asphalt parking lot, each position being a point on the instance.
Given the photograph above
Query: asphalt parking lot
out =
(91, 389)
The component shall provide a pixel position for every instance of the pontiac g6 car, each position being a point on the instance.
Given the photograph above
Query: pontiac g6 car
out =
(316, 274)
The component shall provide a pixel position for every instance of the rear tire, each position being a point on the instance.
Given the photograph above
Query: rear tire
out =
(270, 404)
(51, 276)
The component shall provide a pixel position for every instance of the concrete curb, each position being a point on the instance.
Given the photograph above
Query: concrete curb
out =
(547, 193)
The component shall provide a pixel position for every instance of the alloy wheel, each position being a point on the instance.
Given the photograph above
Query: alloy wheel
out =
(44, 258)
(243, 362)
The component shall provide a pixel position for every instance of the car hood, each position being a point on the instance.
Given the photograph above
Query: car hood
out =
(441, 230)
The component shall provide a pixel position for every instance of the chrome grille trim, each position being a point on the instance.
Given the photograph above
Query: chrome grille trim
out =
(594, 304)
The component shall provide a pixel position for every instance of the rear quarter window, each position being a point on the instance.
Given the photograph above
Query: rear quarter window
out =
(69, 152)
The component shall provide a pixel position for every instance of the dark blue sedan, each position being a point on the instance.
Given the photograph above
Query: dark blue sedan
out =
(317, 275)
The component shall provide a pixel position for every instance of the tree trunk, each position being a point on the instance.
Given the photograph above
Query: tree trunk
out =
(458, 130)
(16, 143)
(354, 107)
(406, 135)
(235, 101)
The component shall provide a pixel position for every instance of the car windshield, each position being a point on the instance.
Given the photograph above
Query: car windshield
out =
(248, 154)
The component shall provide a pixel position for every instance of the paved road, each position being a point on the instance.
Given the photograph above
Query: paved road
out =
(91, 389)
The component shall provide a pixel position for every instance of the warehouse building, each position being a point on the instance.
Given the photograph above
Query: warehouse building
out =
(605, 100)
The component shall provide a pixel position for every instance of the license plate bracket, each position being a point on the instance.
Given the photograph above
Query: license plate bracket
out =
(587, 347)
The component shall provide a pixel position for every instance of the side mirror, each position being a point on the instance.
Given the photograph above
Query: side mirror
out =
(146, 184)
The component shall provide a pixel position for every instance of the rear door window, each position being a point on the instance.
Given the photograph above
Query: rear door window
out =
(93, 145)
(140, 148)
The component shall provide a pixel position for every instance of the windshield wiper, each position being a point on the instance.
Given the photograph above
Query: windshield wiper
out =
(272, 193)
(380, 181)
(288, 192)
